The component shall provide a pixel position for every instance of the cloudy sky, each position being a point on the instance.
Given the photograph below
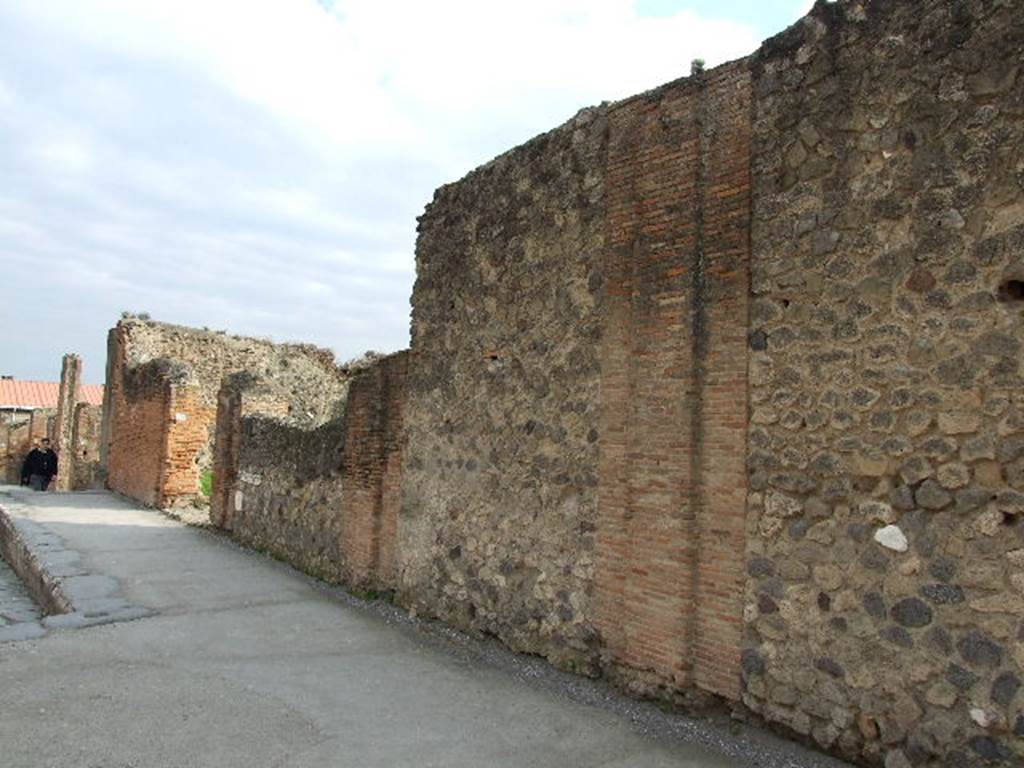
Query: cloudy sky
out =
(258, 165)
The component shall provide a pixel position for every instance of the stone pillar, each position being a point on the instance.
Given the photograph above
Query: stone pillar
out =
(63, 432)
(112, 383)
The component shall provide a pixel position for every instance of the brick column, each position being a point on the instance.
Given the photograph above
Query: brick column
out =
(670, 543)
(646, 546)
(721, 363)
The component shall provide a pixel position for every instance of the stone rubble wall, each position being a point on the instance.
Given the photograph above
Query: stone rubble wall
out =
(842, 212)
(72, 428)
(325, 498)
(64, 425)
(885, 605)
(74, 431)
(79, 460)
(574, 481)
(499, 482)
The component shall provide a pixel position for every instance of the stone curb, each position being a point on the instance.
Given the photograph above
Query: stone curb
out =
(69, 595)
(24, 560)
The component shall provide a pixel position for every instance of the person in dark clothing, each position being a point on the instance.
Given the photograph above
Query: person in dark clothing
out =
(40, 466)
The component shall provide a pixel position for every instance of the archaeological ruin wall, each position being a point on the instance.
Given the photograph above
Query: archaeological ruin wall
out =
(161, 401)
(715, 391)
(673, 383)
(576, 461)
(141, 416)
(74, 431)
(323, 496)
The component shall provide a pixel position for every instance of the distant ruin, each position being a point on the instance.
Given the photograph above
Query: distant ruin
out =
(161, 401)
(715, 390)
(67, 413)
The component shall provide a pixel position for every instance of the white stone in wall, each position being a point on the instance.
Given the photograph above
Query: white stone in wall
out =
(983, 717)
(238, 501)
(891, 537)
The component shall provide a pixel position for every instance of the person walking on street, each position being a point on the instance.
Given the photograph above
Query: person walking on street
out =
(40, 466)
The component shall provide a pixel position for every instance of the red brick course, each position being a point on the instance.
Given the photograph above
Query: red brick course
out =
(371, 471)
(189, 423)
(136, 456)
(669, 579)
(158, 424)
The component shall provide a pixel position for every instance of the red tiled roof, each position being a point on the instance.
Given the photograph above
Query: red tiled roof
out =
(15, 393)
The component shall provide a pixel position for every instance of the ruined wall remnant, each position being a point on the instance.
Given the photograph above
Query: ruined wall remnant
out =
(576, 465)
(372, 469)
(64, 426)
(161, 399)
(324, 496)
(140, 420)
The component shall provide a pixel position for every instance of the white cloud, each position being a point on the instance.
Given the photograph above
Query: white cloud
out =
(387, 75)
(6, 95)
(66, 155)
(259, 165)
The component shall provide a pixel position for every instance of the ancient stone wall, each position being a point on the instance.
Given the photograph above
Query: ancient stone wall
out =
(14, 445)
(13, 439)
(71, 427)
(885, 608)
(865, 169)
(324, 497)
(575, 476)
(499, 486)
(371, 471)
(180, 414)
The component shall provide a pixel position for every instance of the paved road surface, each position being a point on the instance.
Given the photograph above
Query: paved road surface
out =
(247, 663)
